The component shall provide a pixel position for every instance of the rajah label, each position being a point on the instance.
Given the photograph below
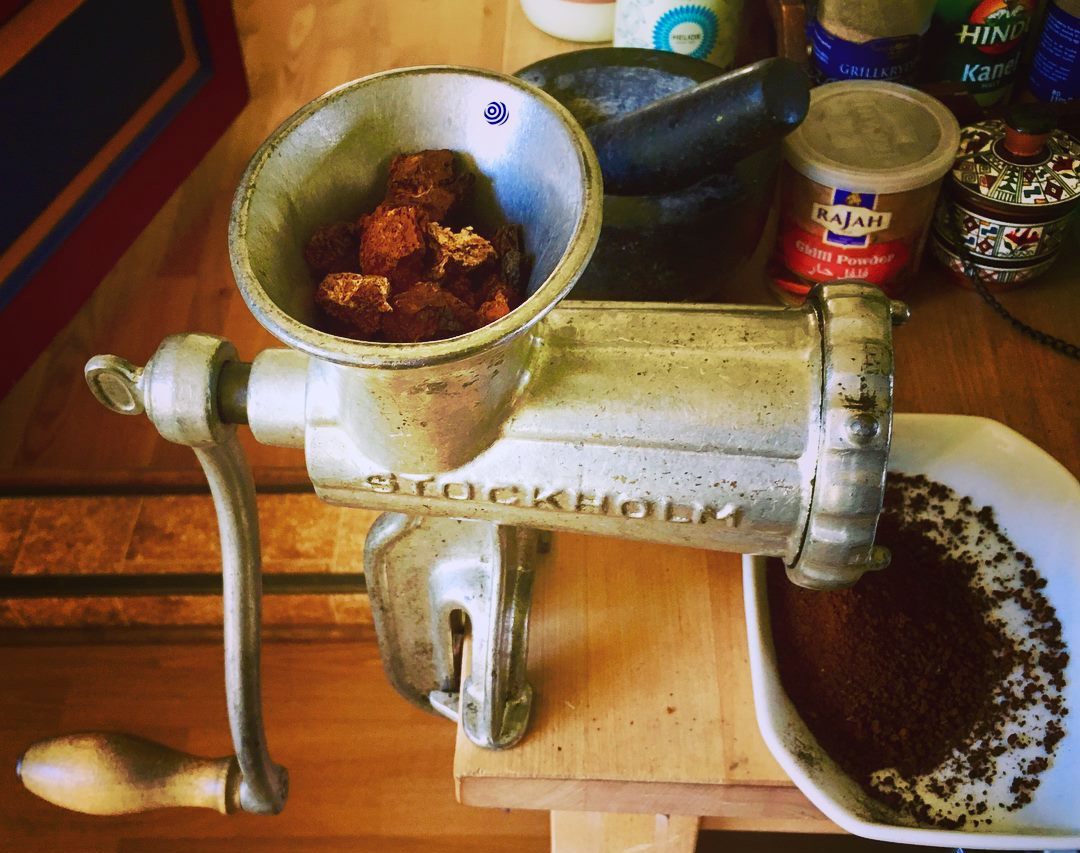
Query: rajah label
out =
(849, 221)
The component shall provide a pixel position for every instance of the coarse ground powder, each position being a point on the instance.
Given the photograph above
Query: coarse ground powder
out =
(937, 682)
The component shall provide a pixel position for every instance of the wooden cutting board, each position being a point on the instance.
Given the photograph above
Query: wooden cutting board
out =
(638, 656)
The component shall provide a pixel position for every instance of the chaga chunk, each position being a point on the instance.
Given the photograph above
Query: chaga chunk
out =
(508, 245)
(462, 252)
(400, 274)
(357, 301)
(430, 180)
(333, 248)
(498, 299)
(430, 168)
(463, 287)
(426, 312)
(436, 202)
(507, 238)
(494, 308)
(393, 243)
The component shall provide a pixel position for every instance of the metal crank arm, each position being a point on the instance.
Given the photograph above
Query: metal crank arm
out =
(179, 389)
(426, 576)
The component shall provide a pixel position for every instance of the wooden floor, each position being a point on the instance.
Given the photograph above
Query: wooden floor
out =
(368, 771)
(126, 535)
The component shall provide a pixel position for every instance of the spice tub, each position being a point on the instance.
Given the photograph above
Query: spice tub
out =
(858, 186)
(1037, 503)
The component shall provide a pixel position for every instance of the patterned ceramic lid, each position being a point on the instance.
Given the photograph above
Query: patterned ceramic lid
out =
(987, 169)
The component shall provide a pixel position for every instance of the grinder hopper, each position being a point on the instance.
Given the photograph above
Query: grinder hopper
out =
(747, 429)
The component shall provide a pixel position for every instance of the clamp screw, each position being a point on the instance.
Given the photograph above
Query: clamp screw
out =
(899, 312)
(879, 558)
(862, 428)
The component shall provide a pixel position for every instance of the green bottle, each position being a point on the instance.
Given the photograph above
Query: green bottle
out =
(979, 43)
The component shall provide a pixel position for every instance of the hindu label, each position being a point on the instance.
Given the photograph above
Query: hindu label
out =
(981, 43)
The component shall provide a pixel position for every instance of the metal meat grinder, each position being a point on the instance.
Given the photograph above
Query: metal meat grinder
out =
(744, 429)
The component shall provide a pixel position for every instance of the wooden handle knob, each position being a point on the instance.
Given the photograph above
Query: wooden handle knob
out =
(113, 774)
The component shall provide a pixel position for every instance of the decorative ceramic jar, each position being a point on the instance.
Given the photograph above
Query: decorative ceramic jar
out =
(1009, 198)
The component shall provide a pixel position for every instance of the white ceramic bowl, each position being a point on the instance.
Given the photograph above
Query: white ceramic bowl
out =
(1037, 503)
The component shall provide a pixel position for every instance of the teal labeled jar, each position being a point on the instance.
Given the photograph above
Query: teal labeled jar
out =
(979, 44)
(703, 29)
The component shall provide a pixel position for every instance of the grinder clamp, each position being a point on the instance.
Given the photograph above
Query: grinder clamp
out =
(739, 428)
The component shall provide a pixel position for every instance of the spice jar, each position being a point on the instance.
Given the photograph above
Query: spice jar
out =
(867, 39)
(1055, 69)
(858, 187)
(703, 29)
(979, 44)
(1009, 198)
(574, 20)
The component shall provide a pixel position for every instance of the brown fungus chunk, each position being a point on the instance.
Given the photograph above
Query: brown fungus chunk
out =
(463, 252)
(333, 248)
(430, 180)
(357, 301)
(393, 243)
(426, 312)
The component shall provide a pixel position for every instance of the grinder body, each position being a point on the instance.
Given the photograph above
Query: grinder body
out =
(703, 426)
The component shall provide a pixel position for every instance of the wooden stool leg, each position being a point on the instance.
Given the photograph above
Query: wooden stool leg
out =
(600, 832)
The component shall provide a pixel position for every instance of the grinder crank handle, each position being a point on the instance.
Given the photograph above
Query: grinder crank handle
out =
(678, 140)
(184, 389)
(114, 774)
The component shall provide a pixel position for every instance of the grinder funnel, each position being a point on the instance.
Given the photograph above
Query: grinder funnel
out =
(328, 162)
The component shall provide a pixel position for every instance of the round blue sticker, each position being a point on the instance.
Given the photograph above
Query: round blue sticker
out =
(496, 113)
(690, 30)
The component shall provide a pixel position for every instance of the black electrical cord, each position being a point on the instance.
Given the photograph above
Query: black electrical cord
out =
(1058, 344)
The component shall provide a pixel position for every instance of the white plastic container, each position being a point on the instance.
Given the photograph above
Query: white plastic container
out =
(703, 29)
(573, 20)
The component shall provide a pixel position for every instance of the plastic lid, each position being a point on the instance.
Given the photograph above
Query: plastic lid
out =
(873, 137)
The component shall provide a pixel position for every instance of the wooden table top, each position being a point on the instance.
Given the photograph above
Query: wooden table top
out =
(638, 653)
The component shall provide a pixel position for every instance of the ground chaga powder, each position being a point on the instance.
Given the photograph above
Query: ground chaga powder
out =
(936, 683)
